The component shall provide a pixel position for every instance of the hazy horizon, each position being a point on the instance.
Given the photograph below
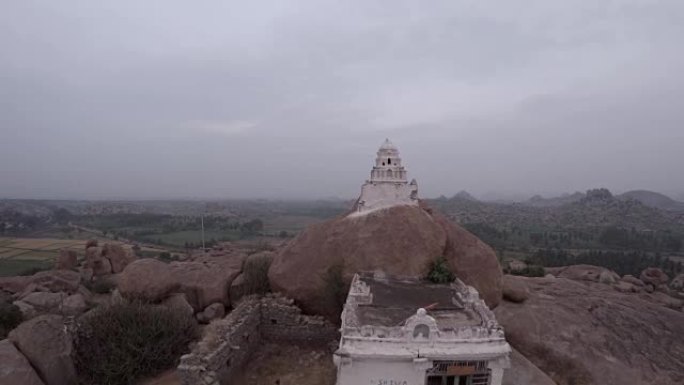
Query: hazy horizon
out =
(291, 99)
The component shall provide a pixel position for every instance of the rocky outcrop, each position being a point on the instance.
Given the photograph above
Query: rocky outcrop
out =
(40, 303)
(67, 260)
(633, 280)
(207, 279)
(74, 305)
(95, 260)
(54, 280)
(15, 368)
(238, 289)
(473, 261)
(515, 289)
(401, 240)
(204, 281)
(523, 372)
(14, 284)
(66, 281)
(45, 342)
(118, 256)
(148, 279)
(587, 273)
(212, 312)
(178, 303)
(582, 332)
(678, 283)
(654, 276)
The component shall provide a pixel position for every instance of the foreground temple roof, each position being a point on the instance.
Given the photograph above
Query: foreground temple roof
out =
(408, 317)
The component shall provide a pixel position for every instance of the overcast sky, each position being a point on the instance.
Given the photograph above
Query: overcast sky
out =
(291, 99)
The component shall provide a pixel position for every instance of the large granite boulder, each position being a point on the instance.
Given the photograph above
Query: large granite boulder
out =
(178, 303)
(207, 280)
(74, 305)
(147, 279)
(14, 284)
(400, 240)
(66, 260)
(43, 302)
(587, 273)
(654, 276)
(582, 332)
(515, 289)
(66, 281)
(118, 256)
(15, 368)
(678, 282)
(96, 260)
(523, 372)
(633, 280)
(45, 342)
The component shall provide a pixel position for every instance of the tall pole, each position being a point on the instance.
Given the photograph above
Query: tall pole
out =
(202, 219)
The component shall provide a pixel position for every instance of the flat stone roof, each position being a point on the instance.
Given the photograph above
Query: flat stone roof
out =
(395, 299)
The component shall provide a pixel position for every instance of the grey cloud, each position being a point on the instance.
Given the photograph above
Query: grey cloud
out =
(291, 98)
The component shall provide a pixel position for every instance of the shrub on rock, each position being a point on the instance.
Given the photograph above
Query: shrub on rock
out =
(147, 279)
(10, 317)
(125, 341)
(439, 272)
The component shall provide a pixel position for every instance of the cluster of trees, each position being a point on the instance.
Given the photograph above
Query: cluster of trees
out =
(622, 262)
(587, 238)
(632, 239)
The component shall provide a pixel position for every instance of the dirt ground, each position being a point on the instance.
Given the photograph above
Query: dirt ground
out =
(289, 365)
(169, 377)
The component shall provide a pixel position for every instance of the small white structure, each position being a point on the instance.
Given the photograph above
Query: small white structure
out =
(387, 185)
(403, 331)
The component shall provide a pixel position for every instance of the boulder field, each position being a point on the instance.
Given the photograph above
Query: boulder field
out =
(400, 240)
(588, 332)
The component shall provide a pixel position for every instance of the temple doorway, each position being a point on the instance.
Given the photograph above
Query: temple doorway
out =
(458, 373)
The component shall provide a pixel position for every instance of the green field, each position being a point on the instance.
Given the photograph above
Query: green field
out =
(20, 255)
(180, 238)
(10, 267)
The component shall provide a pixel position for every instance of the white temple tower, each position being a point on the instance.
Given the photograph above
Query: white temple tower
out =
(388, 185)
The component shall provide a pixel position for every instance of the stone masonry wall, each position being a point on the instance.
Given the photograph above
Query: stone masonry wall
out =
(228, 343)
(225, 347)
(282, 321)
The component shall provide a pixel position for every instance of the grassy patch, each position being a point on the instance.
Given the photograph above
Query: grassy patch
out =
(11, 267)
(180, 238)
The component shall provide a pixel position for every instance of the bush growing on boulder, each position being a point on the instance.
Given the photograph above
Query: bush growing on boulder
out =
(439, 272)
(10, 317)
(120, 343)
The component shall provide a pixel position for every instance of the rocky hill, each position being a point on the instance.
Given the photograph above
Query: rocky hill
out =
(539, 201)
(595, 208)
(653, 199)
(586, 327)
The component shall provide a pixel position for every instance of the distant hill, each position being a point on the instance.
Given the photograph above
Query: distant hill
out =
(653, 199)
(539, 201)
(596, 208)
(465, 196)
